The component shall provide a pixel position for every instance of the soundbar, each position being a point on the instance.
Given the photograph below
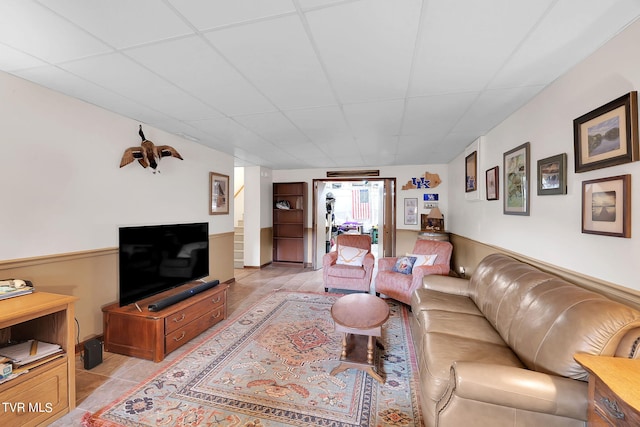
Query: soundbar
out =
(181, 296)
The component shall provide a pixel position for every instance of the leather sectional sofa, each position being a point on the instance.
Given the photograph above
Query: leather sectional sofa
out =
(497, 350)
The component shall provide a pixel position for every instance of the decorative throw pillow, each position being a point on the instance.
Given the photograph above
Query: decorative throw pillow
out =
(424, 259)
(404, 265)
(350, 256)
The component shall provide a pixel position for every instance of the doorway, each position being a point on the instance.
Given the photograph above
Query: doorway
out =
(356, 205)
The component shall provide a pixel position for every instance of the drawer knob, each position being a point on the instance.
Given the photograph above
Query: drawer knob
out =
(176, 339)
(215, 316)
(612, 407)
(215, 301)
(176, 320)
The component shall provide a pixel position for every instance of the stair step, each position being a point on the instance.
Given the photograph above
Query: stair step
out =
(238, 264)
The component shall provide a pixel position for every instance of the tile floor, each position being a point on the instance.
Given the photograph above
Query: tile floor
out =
(117, 374)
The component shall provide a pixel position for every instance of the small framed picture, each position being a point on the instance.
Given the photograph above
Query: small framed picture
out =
(516, 180)
(493, 174)
(606, 206)
(218, 194)
(411, 211)
(608, 135)
(552, 175)
(470, 171)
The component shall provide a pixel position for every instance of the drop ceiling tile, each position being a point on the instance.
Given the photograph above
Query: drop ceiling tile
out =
(74, 86)
(206, 14)
(435, 115)
(320, 124)
(122, 23)
(277, 57)
(123, 76)
(35, 30)
(13, 60)
(565, 37)
(273, 127)
(198, 69)
(373, 119)
(367, 47)
(494, 106)
(464, 44)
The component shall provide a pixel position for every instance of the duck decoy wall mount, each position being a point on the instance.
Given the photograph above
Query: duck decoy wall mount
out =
(148, 154)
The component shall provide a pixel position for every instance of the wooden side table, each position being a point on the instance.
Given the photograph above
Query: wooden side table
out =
(614, 390)
(360, 318)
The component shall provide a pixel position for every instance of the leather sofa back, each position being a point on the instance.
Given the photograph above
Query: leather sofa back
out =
(546, 320)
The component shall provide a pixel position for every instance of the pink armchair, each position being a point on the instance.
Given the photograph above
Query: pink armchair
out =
(400, 286)
(340, 268)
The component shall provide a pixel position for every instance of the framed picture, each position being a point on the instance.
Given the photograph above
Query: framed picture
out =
(608, 135)
(493, 183)
(606, 206)
(552, 175)
(470, 172)
(516, 180)
(218, 194)
(411, 211)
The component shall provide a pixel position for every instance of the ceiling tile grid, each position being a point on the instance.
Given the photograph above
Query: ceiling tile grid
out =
(289, 84)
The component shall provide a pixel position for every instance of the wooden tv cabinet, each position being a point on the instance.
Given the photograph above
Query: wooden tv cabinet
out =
(46, 392)
(154, 334)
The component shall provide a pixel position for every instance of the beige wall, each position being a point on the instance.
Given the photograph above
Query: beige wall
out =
(92, 276)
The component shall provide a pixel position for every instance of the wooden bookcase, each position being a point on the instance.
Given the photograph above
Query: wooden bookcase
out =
(290, 225)
(154, 334)
(46, 392)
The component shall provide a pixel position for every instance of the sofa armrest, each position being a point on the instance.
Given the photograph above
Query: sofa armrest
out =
(518, 388)
(386, 263)
(446, 284)
(329, 258)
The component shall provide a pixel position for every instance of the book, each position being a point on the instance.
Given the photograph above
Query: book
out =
(29, 351)
(12, 288)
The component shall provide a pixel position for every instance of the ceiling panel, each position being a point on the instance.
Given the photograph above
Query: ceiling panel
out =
(207, 14)
(37, 31)
(571, 27)
(122, 23)
(277, 57)
(383, 34)
(193, 65)
(273, 127)
(309, 83)
(463, 43)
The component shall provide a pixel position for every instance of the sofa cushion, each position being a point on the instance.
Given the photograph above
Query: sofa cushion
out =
(460, 325)
(545, 319)
(425, 299)
(348, 255)
(346, 271)
(424, 259)
(404, 265)
(440, 350)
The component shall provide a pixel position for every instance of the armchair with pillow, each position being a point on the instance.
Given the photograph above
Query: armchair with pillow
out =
(398, 277)
(350, 266)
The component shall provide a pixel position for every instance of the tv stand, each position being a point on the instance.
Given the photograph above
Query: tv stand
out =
(154, 334)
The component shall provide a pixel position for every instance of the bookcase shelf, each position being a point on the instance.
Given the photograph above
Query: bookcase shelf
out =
(289, 225)
(47, 392)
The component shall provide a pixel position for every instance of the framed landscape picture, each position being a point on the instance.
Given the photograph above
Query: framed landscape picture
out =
(608, 135)
(552, 175)
(516, 180)
(606, 206)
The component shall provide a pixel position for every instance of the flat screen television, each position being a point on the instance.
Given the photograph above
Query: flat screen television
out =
(155, 258)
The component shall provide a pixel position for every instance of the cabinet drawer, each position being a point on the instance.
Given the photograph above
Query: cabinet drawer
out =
(39, 397)
(193, 329)
(612, 409)
(181, 318)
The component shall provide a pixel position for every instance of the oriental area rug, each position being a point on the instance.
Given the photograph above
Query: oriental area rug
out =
(270, 366)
